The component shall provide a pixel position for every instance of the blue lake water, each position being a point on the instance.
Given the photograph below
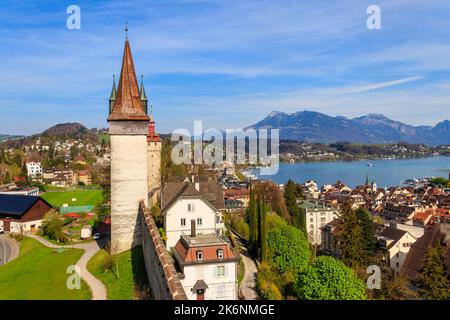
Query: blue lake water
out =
(386, 173)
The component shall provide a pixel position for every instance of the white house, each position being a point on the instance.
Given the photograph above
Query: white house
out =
(396, 243)
(317, 216)
(182, 202)
(208, 267)
(34, 169)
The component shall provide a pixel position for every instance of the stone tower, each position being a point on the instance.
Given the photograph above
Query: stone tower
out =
(153, 146)
(128, 129)
(154, 155)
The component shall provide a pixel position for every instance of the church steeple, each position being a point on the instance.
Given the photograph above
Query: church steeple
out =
(112, 97)
(128, 105)
(143, 96)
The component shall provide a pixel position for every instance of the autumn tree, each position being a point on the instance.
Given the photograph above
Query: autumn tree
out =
(273, 197)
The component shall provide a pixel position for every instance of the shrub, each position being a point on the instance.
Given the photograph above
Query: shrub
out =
(52, 226)
(243, 229)
(266, 283)
(288, 247)
(329, 279)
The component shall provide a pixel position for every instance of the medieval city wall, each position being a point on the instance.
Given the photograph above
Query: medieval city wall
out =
(159, 265)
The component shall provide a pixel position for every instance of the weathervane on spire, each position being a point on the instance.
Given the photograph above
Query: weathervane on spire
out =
(126, 29)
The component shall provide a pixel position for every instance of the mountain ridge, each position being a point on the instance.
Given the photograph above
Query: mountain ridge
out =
(312, 126)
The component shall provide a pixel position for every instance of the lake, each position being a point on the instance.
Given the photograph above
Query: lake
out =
(386, 173)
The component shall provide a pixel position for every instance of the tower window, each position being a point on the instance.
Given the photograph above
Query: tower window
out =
(199, 255)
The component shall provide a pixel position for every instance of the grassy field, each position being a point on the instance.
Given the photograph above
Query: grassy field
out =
(39, 273)
(128, 272)
(84, 197)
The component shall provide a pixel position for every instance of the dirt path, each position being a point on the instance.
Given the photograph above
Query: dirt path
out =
(9, 249)
(248, 283)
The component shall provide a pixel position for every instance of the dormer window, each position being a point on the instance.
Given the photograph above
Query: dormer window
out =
(199, 255)
(220, 254)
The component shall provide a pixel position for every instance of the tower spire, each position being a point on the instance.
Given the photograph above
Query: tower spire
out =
(128, 105)
(142, 94)
(126, 30)
(151, 112)
(152, 135)
(112, 97)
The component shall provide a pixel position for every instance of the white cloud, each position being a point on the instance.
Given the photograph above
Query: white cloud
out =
(376, 86)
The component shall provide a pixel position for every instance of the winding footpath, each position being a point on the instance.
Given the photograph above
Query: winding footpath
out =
(248, 283)
(9, 249)
(90, 249)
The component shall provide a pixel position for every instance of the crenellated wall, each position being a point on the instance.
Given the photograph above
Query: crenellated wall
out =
(162, 276)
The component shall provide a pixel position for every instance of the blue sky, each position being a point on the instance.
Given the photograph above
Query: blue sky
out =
(226, 62)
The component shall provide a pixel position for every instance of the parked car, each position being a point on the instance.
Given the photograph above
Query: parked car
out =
(97, 236)
(1, 230)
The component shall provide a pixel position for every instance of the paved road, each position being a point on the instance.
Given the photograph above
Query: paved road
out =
(90, 249)
(248, 283)
(9, 249)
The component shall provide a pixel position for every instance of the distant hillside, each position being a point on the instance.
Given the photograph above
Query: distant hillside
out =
(312, 126)
(63, 131)
(66, 129)
(4, 137)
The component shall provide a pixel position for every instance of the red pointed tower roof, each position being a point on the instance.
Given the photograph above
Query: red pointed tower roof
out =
(128, 105)
(152, 136)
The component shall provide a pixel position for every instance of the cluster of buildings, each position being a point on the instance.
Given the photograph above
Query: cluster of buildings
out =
(66, 177)
(405, 216)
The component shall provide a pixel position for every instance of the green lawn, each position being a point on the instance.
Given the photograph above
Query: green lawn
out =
(84, 198)
(39, 273)
(122, 281)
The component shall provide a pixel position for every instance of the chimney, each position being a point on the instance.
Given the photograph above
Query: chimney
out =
(197, 186)
(193, 232)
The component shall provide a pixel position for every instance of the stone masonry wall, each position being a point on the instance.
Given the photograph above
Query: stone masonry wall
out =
(161, 272)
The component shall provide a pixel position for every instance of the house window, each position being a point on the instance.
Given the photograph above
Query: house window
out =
(183, 222)
(221, 291)
(220, 254)
(199, 255)
(221, 271)
(191, 207)
(199, 221)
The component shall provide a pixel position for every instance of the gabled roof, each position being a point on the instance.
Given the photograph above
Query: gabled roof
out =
(209, 191)
(185, 250)
(416, 257)
(391, 233)
(14, 205)
(128, 105)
